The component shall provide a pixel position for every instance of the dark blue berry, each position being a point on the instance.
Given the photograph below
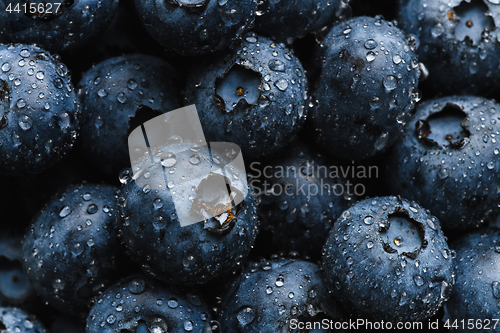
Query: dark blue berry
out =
(117, 95)
(367, 87)
(459, 43)
(387, 259)
(55, 25)
(19, 321)
(477, 289)
(137, 304)
(448, 159)
(69, 250)
(300, 197)
(151, 228)
(284, 21)
(38, 110)
(194, 27)
(268, 295)
(254, 97)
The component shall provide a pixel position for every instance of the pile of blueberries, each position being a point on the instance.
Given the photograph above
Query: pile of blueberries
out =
(370, 133)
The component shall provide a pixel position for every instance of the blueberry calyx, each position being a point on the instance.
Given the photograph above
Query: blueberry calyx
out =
(189, 3)
(473, 22)
(237, 88)
(407, 236)
(446, 128)
(217, 208)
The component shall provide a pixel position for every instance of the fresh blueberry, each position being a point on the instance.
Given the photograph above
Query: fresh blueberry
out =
(448, 159)
(301, 197)
(19, 321)
(151, 228)
(55, 25)
(137, 304)
(460, 46)
(195, 27)
(15, 288)
(477, 289)
(254, 96)
(117, 95)
(268, 295)
(69, 250)
(367, 87)
(284, 21)
(38, 110)
(387, 259)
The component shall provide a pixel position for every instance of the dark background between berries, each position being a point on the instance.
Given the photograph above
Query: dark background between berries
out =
(21, 199)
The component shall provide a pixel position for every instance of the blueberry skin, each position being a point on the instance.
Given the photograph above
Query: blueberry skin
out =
(391, 253)
(269, 294)
(299, 210)
(71, 24)
(117, 95)
(39, 112)
(254, 96)
(70, 248)
(367, 87)
(456, 179)
(476, 292)
(17, 320)
(138, 304)
(196, 27)
(460, 59)
(151, 230)
(284, 21)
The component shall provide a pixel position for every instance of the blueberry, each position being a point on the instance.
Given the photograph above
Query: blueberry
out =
(55, 25)
(15, 288)
(367, 87)
(284, 21)
(151, 228)
(69, 250)
(17, 320)
(254, 96)
(477, 289)
(117, 95)
(38, 110)
(301, 197)
(387, 259)
(447, 160)
(459, 43)
(268, 295)
(195, 27)
(137, 304)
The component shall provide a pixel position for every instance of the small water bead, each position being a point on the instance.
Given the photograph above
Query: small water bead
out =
(132, 84)
(92, 209)
(370, 44)
(65, 211)
(40, 75)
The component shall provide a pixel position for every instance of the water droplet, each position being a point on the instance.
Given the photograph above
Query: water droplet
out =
(496, 289)
(245, 316)
(370, 56)
(65, 211)
(172, 303)
(437, 30)
(132, 84)
(277, 65)
(137, 286)
(111, 319)
(6, 67)
(168, 160)
(194, 159)
(490, 165)
(40, 75)
(281, 84)
(390, 82)
(396, 59)
(368, 220)
(370, 44)
(188, 325)
(58, 284)
(102, 93)
(121, 98)
(280, 281)
(24, 53)
(419, 281)
(92, 209)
